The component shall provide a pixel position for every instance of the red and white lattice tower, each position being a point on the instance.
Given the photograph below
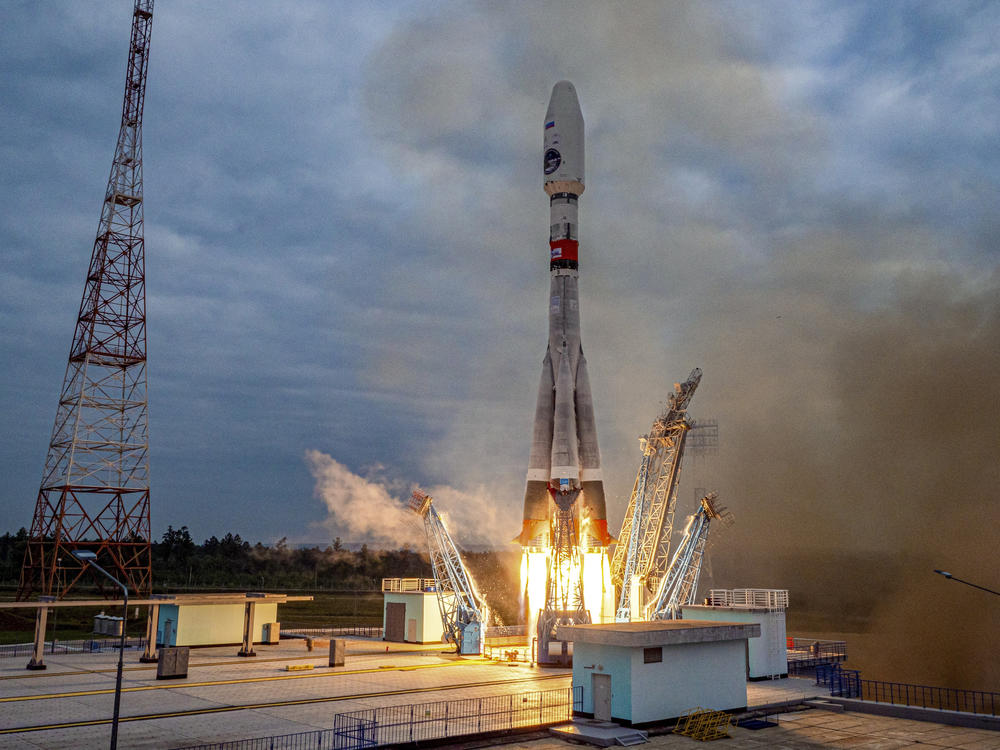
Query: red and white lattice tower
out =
(94, 493)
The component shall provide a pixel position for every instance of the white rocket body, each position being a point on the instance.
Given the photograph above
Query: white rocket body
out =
(565, 461)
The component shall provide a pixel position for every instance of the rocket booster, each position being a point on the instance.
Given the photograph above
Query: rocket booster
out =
(565, 461)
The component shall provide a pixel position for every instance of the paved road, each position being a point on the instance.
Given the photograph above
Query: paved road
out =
(225, 698)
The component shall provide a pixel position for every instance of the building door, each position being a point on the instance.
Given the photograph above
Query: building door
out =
(395, 621)
(411, 631)
(602, 697)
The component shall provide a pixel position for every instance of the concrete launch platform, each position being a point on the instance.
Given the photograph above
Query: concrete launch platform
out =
(227, 698)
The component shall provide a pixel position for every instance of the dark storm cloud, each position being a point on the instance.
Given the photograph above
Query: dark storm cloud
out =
(346, 247)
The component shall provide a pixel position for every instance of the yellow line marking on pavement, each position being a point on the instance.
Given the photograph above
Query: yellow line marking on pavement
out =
(235, 681)
(276, 704)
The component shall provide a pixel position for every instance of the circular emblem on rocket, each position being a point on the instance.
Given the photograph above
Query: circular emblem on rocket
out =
(552, 160)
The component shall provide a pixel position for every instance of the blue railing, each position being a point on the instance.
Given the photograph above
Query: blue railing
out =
(842, 683)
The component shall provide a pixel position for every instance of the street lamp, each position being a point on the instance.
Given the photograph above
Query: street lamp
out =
(950, 577)
(90, 558)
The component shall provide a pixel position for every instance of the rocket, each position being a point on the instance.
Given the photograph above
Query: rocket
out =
(565, 462)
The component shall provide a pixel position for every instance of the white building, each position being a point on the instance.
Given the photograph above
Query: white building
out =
(642, 672)
(411, 613)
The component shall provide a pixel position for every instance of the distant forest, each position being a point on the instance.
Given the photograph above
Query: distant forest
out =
(180, 564)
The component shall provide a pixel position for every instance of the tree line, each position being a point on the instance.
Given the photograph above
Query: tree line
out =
(230, 562)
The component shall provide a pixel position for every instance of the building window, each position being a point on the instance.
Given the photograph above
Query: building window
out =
(652, 655)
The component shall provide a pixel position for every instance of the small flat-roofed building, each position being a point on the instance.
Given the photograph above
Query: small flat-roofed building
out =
(767, 656)
(411, 613)
(642, 672)
(197, 620)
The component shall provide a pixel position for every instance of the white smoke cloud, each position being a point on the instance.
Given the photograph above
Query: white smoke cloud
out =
(374, 509)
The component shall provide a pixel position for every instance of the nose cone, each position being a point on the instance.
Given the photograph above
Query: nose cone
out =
(564, 103)
(563, 142)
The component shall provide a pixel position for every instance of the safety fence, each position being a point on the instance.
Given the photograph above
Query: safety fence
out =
(85, 646)
(842, 683)
(391, 725)
(926, 696)
(359, 631)
(805, 654)
(509, 653)
(847, 683)
(506, 631)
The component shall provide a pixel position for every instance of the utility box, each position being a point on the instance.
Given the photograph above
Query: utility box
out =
(337, 649)
(173, 663)
(271, 632)
(108, 625)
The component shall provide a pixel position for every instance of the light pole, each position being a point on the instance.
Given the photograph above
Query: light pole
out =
(90, 558)
(950, 577)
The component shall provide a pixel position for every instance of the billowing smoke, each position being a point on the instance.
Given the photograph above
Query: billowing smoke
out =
(861, 448)
(813, 226)
(374, 509)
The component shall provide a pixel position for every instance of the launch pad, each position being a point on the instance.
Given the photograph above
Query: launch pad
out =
(225, 698)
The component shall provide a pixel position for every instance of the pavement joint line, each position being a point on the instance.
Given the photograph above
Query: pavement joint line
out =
(270, 704)
(238, 681)
(241, 662)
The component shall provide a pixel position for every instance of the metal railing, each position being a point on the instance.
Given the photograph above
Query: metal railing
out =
(360, 631)
(390, 725)
(506, 631)
(805, 654)
(847, 683)
(842, 683)
(508, 653)
(926, 696)
(83, 646)
(770, 599)
(408, 584)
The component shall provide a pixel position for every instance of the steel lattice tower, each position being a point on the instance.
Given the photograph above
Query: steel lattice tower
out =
(94, 493)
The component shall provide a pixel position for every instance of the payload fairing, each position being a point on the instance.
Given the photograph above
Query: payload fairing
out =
(565, 461)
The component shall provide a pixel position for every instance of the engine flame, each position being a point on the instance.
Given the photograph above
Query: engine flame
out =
(598, 591)
(534, 571)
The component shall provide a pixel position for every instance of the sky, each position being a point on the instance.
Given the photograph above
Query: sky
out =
(347, 266)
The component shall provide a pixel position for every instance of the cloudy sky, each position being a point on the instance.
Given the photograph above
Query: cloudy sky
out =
(346, 244)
